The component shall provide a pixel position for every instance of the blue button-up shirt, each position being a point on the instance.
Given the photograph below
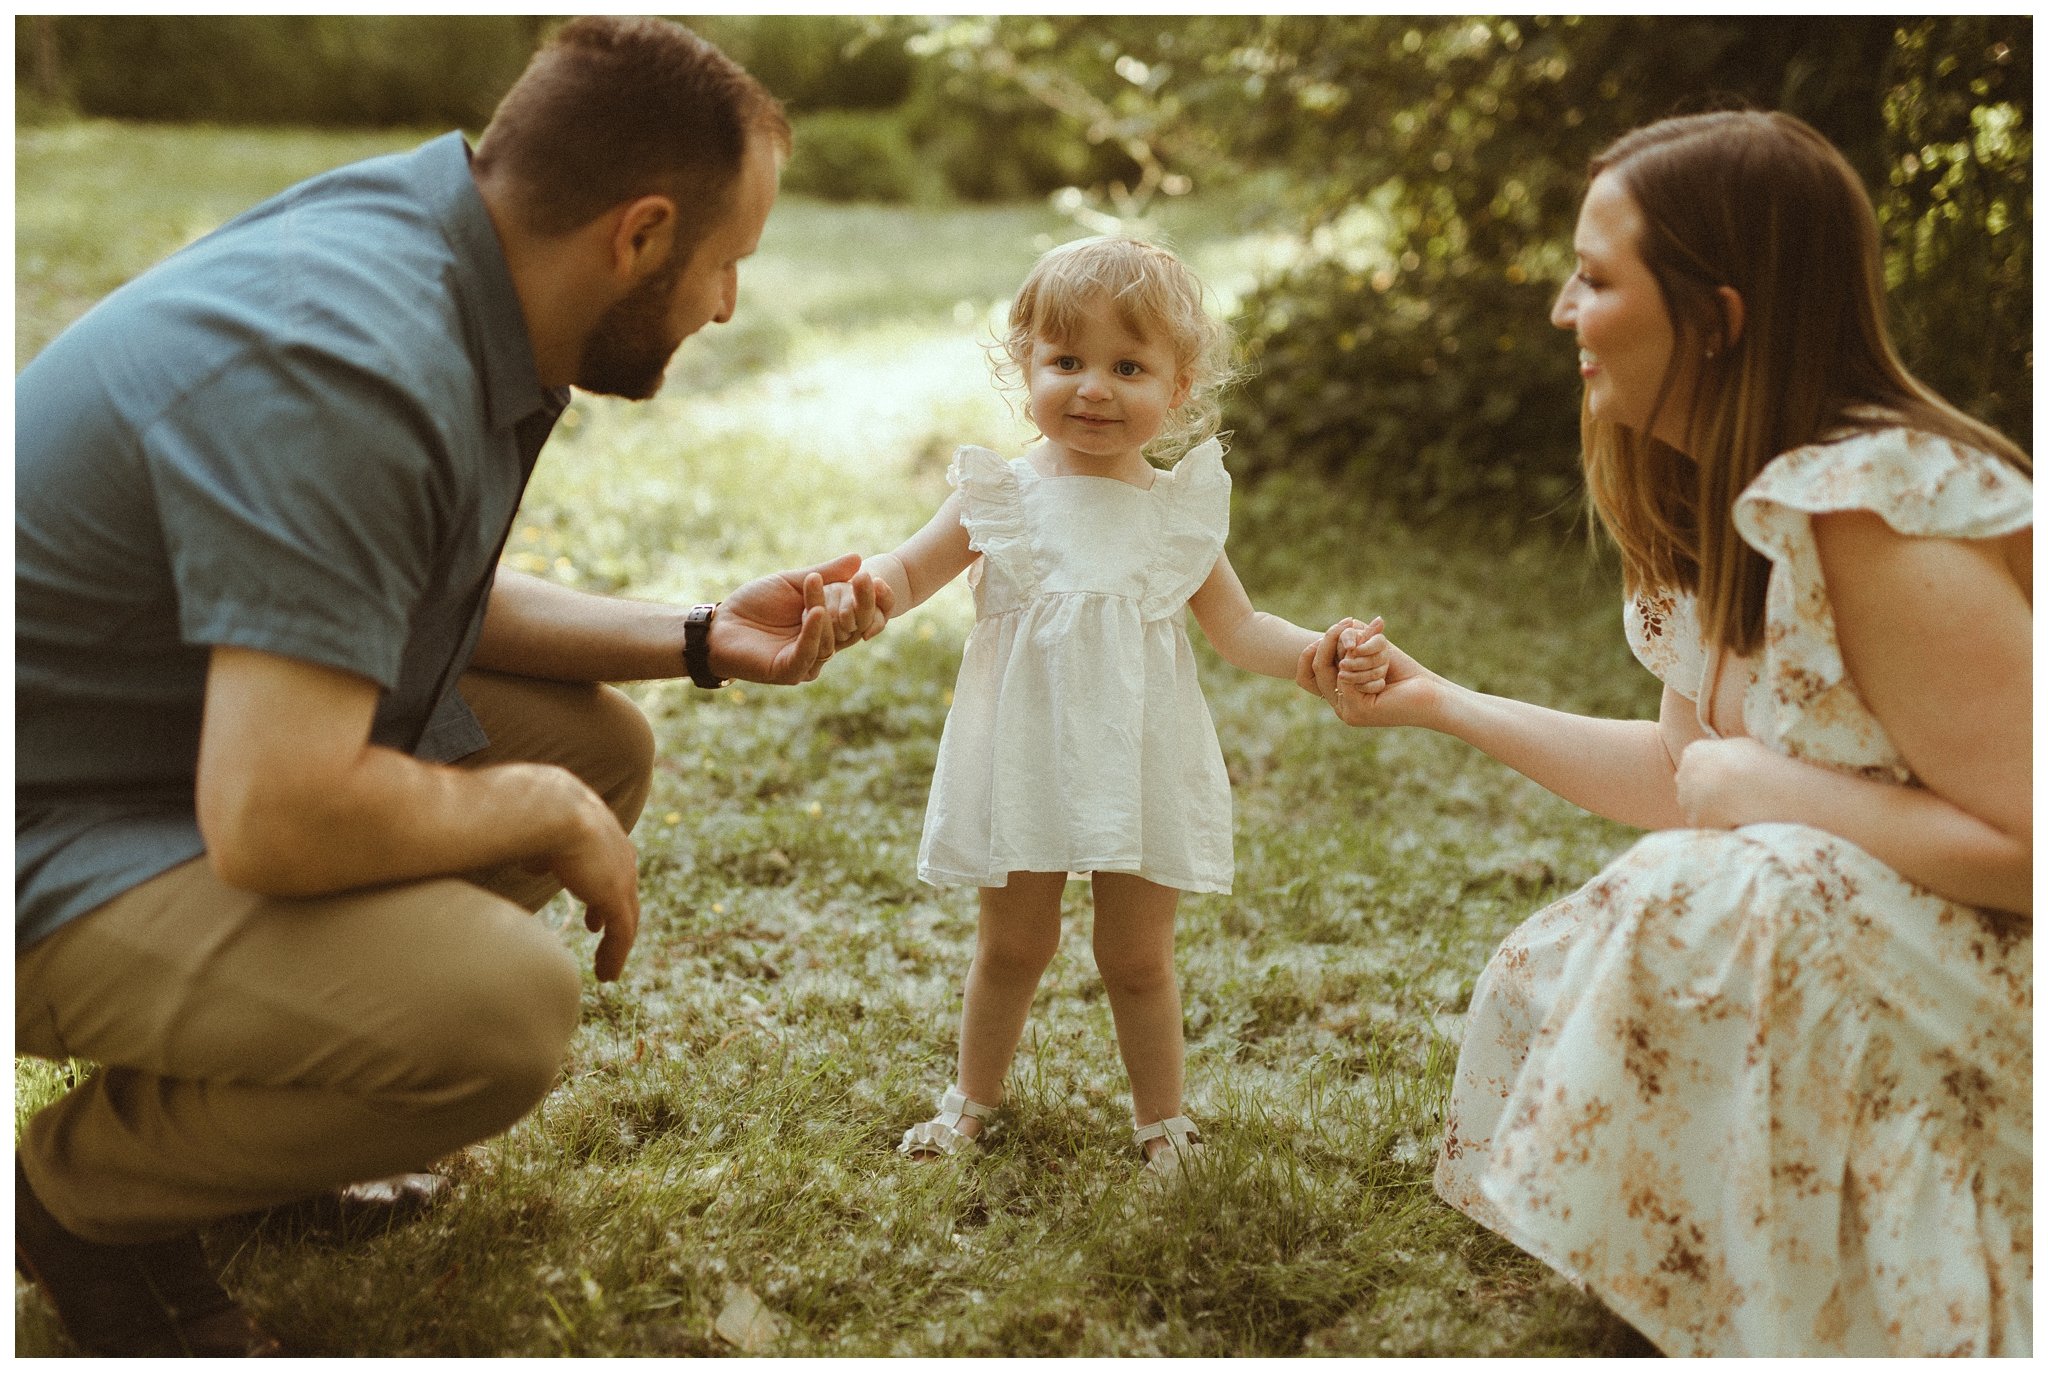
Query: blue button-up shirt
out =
(305, 434)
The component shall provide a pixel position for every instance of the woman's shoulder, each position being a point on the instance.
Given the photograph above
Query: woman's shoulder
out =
(1921, 483)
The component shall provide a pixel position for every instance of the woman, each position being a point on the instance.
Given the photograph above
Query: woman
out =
(1764, 1084)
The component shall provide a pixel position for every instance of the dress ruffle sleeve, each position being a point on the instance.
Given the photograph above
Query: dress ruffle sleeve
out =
(1194, 515)
(1919, 484)
(992, 512)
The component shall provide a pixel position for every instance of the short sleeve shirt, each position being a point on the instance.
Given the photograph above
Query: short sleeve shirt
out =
(305, 434)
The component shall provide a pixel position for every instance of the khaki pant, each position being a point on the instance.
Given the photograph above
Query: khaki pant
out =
(254, 1050)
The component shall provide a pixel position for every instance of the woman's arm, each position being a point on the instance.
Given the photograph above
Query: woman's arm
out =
(1936, 636)
(1726, 783)
(1622, 769)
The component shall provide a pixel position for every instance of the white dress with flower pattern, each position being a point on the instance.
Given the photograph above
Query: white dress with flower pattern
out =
(1078, 739)
(1755, 1090)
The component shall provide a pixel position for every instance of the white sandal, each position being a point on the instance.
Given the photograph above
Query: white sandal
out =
(942, 1135)
(1183, 1145)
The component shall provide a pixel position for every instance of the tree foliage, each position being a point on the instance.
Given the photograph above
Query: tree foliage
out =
(1435, 166)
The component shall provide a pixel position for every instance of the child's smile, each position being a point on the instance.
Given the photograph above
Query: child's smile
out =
(1102, 394)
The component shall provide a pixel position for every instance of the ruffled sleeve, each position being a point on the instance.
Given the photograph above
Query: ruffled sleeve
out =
(1663, 629)
(1919, 484)
(992, 512)
(1193, 505)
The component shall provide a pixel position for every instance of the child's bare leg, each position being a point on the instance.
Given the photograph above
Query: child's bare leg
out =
(1134, 953)
(1018, 934)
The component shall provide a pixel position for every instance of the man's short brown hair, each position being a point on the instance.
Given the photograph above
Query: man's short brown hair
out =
(613, 109)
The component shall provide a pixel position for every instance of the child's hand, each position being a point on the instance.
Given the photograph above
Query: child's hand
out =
(1363, 657)
(858, 609)
(1368, 681)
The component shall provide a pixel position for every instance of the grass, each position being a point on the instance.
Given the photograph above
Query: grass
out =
(724, 1122)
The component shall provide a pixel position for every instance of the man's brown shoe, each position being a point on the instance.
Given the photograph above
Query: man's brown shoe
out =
(131, 1300)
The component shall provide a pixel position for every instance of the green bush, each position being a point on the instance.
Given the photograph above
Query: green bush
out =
(333, 70)
(858, 155)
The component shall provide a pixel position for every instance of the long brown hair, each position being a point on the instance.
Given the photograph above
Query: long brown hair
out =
(1762, 203)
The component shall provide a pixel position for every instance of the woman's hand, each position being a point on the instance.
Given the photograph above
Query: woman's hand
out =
(1727, 783)
(1367, 680)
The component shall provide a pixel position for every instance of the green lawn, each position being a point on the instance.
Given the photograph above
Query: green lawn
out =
(723, 1127)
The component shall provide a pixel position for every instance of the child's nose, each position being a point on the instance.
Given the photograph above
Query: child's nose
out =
(1092, 384)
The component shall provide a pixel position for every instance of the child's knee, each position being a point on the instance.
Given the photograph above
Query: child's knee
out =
(1016, 955)
(1135, 972)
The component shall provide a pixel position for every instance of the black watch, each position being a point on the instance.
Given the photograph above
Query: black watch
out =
(697, 647)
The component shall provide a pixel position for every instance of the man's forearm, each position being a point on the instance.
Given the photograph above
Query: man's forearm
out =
(537, 628)
(391, 818)
(293, 800)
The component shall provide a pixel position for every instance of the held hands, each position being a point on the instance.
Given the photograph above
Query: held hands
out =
(853, 617)
(1365, 678)
(781, 629)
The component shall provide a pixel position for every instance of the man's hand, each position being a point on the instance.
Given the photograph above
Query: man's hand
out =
(777, 629)
(598, 865)
(294, 800)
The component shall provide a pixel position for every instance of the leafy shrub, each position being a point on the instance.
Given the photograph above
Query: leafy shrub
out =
(342, 70)
(858, 155)
(1459, 395)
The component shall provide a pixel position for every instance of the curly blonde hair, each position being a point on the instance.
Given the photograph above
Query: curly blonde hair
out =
(1154, 295)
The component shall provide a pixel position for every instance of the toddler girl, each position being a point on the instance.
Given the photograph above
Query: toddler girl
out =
(1078, 739)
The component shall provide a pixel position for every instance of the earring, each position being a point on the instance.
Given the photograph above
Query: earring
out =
(1710, 352)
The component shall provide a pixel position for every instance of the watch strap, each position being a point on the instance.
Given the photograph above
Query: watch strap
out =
(697, 647)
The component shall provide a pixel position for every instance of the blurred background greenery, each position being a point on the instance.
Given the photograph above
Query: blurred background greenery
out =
(1425, 171)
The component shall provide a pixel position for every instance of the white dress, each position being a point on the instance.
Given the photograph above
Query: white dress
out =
(1078, 739)
(1758, 1092)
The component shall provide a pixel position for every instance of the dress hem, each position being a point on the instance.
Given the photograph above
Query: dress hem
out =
(942, 877)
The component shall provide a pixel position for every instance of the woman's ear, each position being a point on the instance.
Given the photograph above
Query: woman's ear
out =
(1731, 315)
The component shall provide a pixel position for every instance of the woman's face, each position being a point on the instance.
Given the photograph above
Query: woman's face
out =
(1614, 306)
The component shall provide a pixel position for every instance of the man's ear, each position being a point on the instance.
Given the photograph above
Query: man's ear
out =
(1731, 315)
(642, 236)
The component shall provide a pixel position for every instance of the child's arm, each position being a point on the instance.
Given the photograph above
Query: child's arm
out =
(1252, 639)
(923, 563)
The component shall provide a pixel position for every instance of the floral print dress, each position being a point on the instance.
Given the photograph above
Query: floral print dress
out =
(1755, 1090)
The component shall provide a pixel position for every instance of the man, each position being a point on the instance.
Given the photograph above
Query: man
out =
(295, 760)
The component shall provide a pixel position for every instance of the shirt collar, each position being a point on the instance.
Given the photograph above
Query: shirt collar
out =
(487, 298)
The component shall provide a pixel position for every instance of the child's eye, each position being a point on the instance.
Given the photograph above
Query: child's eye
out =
(1067, 363)
(1127, 368)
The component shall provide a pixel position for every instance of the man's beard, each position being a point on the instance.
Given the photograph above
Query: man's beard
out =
(629, 350)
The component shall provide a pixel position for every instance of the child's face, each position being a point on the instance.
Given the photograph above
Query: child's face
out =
(1104, 392)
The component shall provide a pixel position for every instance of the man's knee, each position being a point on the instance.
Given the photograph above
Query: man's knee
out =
(628, 745)
(493, 1038)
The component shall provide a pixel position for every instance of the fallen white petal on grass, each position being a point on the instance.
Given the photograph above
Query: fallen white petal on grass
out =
(745, 1323)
